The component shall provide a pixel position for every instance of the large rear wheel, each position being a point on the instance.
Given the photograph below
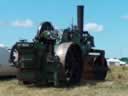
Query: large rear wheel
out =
(71, 59)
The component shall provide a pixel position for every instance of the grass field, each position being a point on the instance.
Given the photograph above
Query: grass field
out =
(116, 84)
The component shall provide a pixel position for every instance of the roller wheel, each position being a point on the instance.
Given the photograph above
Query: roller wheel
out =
(100, 68)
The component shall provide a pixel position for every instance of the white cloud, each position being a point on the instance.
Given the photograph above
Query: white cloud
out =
(22, 23)
(17, 23)
(125, 17)
(2, 45)
(93, 27)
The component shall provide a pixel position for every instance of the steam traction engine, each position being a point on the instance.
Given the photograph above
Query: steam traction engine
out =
(50, 59)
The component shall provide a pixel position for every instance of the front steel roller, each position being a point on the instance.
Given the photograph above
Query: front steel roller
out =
(99, 64)
(94, 66)
(70, 55)
(100, 68)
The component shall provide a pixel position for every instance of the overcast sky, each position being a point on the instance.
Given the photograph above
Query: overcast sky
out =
(106, 20)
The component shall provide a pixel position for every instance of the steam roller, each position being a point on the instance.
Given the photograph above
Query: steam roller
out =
(54, 58)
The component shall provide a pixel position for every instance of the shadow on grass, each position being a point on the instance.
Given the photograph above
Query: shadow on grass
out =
(7, 78)
(64, 85)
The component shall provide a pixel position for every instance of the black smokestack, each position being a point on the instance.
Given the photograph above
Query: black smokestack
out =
(80, 17)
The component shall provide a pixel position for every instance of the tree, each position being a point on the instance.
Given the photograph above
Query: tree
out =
(125, 59)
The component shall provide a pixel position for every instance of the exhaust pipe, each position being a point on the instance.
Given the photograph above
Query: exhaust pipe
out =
(80, 17)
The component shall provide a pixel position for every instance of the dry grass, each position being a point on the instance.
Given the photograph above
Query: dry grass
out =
(116, 85)
(118, 73)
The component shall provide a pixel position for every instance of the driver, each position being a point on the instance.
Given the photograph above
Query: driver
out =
(45, 32)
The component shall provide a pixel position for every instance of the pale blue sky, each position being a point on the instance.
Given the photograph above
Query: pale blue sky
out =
(19, 19)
